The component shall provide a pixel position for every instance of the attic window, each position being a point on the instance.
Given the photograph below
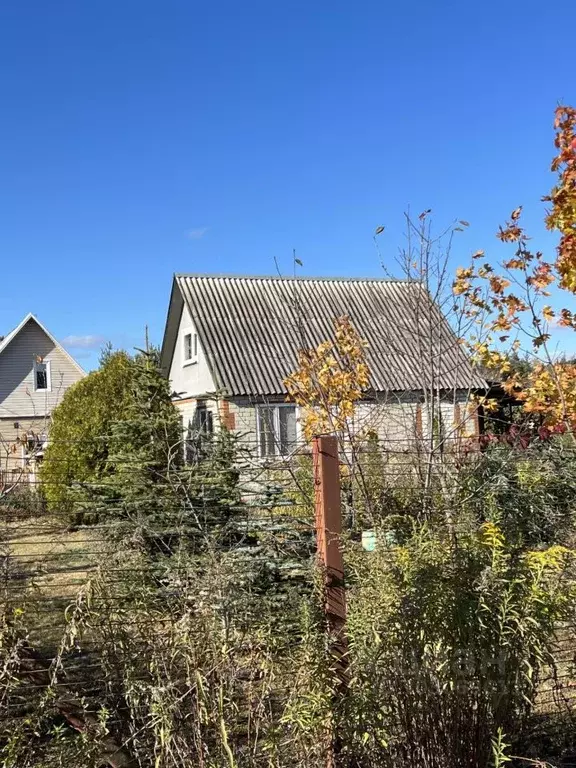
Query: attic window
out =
(42, 376)
(190, 348)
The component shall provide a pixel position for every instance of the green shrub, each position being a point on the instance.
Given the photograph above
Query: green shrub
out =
(447, 644)
(77, 453)
(22, 502)
(530, 494)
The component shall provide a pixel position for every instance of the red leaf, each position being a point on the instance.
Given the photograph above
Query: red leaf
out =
(544, 433)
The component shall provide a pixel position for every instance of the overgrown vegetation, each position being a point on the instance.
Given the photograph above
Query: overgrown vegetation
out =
(447, 648)
(201, 638)
(116, 420)
(207, 647)
(80, 432)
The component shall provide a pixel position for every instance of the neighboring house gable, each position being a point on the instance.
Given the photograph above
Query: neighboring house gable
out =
(35, 371)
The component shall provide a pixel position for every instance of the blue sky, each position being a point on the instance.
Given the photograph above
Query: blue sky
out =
(139, 139)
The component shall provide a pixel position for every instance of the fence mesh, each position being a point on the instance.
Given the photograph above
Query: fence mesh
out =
(110, 605)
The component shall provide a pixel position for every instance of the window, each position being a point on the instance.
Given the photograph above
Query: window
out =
(276, 429)
(41, 376)
(190, 348)
(198, 434)
(203, 420)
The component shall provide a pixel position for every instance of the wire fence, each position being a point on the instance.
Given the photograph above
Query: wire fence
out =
(73, 592)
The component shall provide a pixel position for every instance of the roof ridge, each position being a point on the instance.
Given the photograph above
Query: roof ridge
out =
(9, 338)
(251, 330)
(303, 278)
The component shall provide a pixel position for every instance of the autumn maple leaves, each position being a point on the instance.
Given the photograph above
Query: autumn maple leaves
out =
(507, 303)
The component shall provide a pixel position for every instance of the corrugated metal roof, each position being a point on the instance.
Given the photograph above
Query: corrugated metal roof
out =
(251, 329)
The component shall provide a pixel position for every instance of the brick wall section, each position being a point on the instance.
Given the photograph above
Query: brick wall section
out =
(227, 416)
(398, 421)
(472, 420)
(244, 412)
(418, 427)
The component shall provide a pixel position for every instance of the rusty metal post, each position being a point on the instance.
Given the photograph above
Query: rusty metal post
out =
(328, 511)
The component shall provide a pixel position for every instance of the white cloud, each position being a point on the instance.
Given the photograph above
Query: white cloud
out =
(83, 342)
(196, 234)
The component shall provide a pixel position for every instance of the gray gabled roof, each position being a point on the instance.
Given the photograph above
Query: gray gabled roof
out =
(5, 341)
(251, 329)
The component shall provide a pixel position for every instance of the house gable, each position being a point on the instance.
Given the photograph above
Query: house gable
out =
(188, 377)
(20, 352)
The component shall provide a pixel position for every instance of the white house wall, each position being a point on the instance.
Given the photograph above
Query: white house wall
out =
(399, 418)
(189, 380)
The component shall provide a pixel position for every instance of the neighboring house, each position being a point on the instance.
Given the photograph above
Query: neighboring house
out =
(230, 342)
(35, 371)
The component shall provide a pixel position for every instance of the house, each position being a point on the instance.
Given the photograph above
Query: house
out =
(35, 371)
(231, 341)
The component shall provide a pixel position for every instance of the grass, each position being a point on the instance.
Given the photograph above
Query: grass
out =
(45, 567)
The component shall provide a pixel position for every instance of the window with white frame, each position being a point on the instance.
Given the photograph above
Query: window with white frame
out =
(42, 381)
(190, 340)
(277, 431)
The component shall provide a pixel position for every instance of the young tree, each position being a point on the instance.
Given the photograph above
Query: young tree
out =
(330, 380)
(144, 454)
(509, 301)
(78, 449)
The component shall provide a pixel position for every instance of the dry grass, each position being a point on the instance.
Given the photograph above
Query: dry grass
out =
(45, 567)
(50, 558)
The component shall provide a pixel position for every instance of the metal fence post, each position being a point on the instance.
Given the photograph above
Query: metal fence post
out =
(328, 512)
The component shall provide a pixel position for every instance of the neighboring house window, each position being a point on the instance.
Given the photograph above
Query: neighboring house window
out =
(190, 348)
(41, 376)
(276, 429)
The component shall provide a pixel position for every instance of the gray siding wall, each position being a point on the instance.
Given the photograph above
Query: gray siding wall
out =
(18, 398)
(11, 452)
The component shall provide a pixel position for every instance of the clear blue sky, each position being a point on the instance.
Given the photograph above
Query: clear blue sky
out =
(138, 139)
